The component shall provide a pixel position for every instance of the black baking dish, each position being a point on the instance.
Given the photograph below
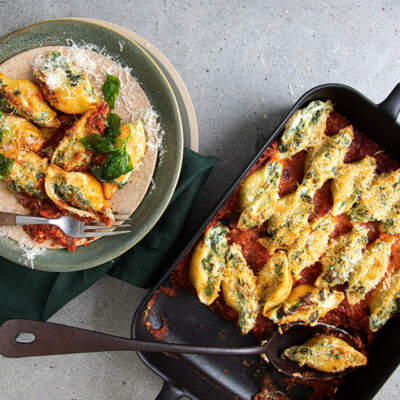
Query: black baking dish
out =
(188, 321)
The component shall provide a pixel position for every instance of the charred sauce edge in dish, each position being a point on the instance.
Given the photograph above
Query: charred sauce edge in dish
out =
(354, 318)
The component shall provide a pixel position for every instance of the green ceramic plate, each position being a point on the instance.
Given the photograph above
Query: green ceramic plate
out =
(162, 98)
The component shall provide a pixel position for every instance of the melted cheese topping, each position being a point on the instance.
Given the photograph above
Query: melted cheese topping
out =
(342, 256)
(18, 133)
(385, 301)
(25, 97)
(135, 147)
(323, 162)
(274, 282)
(77, 192)
(258, 195)
(352, 182)
(207, 265)
(305, 129)
(65, 87)
(378, 201)
(310, 246)
(370, 270)
(289, 221)
(307, 304)
(327, 354)
(27, 173)
(239, 289)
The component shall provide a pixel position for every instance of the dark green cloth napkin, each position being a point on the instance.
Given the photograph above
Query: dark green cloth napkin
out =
(30, 294)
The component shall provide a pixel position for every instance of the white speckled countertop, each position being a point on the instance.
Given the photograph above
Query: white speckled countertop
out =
(244, 63)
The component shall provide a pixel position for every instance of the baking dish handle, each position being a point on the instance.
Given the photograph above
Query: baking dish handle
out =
(170, 392)
(391, 105)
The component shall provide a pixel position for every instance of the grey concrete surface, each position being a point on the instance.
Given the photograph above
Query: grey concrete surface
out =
(245, 63)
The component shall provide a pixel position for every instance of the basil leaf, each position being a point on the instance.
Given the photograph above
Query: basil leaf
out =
(5, 166)
(113, 125)
(117, 164)
(98, 144)
(111, 89)
(107, 143)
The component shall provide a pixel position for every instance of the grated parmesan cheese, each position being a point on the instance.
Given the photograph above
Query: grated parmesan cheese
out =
(29, 254)
(29, 250)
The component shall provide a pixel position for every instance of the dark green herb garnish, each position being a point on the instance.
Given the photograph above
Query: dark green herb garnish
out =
(116, 164)
(111, 89)
(5, 166)
(107, 143)
(113, 125)
(117, 161)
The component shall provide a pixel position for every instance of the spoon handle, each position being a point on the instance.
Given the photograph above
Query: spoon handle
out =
(48, 338)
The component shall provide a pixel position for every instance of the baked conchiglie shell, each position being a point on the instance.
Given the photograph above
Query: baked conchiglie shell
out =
(274, 282)
(27, 172)
(311, 244)
(28, 101)
(384, 301)
(350, 184)
(78, 193)
(342, 255)
(259, 194)
(19, 134)
(208, 264)
(327, 354)
(135, 147)
(305, 128)
(306, 304)
(71, 154)
(239, 289)
(65, 87)
(370, 270)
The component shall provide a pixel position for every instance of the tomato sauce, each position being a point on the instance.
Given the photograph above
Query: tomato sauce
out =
(352, 317)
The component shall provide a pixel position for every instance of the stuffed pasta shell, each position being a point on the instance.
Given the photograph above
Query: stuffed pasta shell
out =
(19, 134)
(306, 304)
(351, 182)
(27, 100)
(385, 301)
(25, 172)
(378, 201)
(71, 154)
(65, 86)
(274, 282)
(370, 270)
(208, 264)
(310, 246)
(343, 254)
(323, 162)
(239, 289)
(305, 129)
(259, 194)
(327, 354)
(78, 193)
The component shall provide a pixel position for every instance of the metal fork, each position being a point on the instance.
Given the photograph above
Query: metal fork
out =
(69, 225)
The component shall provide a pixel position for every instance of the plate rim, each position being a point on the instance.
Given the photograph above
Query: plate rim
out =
(51, 267)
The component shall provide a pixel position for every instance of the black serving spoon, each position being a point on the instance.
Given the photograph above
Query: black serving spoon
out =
(26, 338)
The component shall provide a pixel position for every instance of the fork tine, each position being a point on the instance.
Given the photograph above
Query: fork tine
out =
(100, 234)
(122, 213)
(85, 227)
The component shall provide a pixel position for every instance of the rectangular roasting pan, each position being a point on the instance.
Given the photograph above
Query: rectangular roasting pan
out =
(189, 321)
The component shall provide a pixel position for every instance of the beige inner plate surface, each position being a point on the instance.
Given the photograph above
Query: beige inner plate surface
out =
(132, 104)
